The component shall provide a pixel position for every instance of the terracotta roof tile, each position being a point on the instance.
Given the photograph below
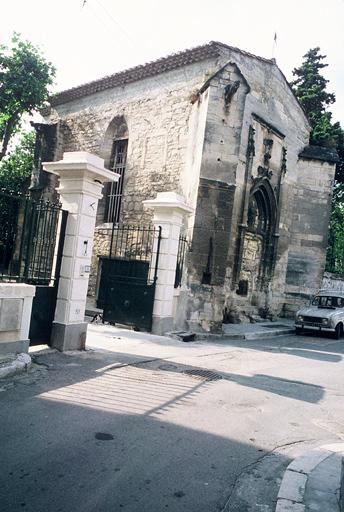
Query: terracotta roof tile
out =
(174, 61)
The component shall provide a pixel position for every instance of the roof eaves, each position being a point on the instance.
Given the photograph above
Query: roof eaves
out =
(319, 153)
(140, 72)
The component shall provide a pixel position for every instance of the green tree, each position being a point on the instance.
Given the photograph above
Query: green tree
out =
(25, 77)
(335, 251)
(310, 89)
(16, 168)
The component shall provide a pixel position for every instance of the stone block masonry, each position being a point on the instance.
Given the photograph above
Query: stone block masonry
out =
(15, 314)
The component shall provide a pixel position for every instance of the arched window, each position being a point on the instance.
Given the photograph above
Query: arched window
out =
(258, 215)
(261, 223)
(115, 155)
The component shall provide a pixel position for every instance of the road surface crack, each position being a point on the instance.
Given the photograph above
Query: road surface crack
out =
(260, 459)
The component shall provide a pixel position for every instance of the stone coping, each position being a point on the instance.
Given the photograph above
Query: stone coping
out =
(16, 290)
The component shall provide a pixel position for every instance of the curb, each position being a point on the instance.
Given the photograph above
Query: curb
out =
(20, 364)
(248, 336)
(291, 493)
(270, 334)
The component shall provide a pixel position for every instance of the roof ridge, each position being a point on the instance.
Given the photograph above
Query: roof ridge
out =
(134, 73)
(244, 52)
(169, 62)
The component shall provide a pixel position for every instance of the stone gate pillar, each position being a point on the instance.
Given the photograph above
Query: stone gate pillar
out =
(169, 212)
(81, 181)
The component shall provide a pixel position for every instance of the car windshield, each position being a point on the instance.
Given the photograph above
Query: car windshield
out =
(328, 301)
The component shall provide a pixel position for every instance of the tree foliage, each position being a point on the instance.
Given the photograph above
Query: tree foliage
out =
(335, 251)
(310, 88)
(25, 77)
(16, 168)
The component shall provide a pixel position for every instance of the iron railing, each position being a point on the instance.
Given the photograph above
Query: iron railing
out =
(182, 248)
(28, 235)
(140, 244)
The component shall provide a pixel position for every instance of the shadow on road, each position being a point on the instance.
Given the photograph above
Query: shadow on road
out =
(84, 437)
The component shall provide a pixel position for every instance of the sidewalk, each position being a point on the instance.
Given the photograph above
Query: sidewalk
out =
(279, 327)
(313, 481)
(255, 331)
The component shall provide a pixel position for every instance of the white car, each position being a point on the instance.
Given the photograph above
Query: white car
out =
(325, 313)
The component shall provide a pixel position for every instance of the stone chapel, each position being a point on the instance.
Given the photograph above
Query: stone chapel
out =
(222, 128)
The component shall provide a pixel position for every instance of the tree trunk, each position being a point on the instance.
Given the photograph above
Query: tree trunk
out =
(7, 134)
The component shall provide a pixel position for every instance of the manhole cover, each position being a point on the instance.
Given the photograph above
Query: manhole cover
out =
(277, 326)
(167, 367)
(203, 374)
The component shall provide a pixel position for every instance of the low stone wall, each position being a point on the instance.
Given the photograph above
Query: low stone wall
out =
(101, 247)
(15, 315)
(333, 282)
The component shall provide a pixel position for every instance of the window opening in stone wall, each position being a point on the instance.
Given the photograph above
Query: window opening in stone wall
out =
(206, 278)
(242, 287)
(117, 164)
(258, 215)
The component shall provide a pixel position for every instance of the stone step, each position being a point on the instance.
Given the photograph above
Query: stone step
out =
(14, 364)
(256, 331)
(312, 481)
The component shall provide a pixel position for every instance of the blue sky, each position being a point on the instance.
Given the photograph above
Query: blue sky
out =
(88, 41)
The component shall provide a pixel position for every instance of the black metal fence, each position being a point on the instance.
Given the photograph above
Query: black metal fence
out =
(182, 248)
(129, 275)
(136, 250)
(28, 234)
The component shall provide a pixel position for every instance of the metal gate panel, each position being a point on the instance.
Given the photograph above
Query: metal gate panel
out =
(44, 302)
(128, 276)
(130, 303)
(31, 243)
(42, 314)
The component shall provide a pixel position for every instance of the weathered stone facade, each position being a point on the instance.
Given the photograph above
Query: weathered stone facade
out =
(222, 128)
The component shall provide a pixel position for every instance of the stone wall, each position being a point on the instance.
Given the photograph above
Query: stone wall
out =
(15, 314)
(333, 282)
(308, 242)
(101, 248)
(201, 298)
(158, 111)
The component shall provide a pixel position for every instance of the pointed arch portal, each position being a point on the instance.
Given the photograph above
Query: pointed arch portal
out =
(258, 248)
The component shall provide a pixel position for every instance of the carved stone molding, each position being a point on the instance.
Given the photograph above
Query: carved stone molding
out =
(268, 143)
(230, 90)
(250, 144)
(263, 172)
(284, 161)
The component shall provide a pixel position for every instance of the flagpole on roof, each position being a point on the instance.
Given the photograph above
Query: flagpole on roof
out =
(274, 47)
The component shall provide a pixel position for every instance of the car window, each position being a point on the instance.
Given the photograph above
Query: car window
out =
(328, 301)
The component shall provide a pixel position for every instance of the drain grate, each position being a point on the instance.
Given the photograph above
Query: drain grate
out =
(203, 374)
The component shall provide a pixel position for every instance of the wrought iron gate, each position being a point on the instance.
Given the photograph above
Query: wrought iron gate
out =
(129, 275)
(31, 243)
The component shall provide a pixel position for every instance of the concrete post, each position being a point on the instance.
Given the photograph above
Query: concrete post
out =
(169, 212)
(81, 181)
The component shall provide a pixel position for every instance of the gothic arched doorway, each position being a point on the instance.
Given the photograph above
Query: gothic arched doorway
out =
(258, 246)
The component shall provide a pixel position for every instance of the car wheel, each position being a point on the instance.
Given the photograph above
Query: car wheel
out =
(298, 331)
(339, 331)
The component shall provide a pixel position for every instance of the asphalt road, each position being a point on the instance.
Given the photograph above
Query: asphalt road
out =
(143, 423)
